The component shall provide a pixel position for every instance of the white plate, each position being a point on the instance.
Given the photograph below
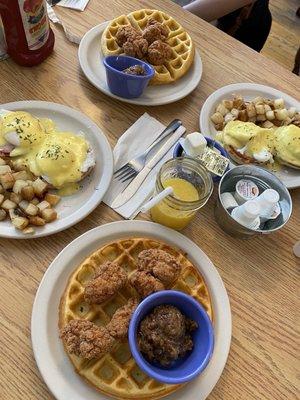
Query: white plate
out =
(289, 176)
(70, 209)
(51, 359)
(90, 59)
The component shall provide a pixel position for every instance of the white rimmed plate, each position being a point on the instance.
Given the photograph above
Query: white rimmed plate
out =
(53, 363)
(90, 59)
(71, 209)
(289, 176)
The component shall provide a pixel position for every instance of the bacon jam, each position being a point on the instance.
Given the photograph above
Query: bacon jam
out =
(165, 335)
(135, 70)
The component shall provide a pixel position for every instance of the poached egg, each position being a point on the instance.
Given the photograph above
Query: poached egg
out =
(60, 157)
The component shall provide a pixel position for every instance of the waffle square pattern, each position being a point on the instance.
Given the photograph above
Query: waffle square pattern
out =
(182, 46)
(116, 374)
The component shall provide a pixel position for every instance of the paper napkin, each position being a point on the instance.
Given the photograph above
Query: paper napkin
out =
(74, 4)
(132, 143)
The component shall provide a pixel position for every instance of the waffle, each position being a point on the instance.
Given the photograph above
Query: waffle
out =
(116, 374)
(183, 49)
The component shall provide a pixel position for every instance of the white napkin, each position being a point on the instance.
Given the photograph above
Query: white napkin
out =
(132, 143)
(74, 4)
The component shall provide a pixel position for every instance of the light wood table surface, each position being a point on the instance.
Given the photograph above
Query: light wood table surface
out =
(261, 275)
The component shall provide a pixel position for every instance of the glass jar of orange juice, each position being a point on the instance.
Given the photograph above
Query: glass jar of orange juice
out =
(192, 186)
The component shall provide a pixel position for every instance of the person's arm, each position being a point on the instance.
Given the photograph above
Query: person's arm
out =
(214, 9)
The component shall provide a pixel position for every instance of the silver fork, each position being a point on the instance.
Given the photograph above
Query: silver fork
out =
(134, 166)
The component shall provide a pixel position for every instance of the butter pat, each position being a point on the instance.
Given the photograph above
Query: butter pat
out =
(194, 144)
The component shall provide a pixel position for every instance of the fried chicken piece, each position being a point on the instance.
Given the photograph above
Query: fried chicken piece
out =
(85, 339)
(126, 33)
(118, 325)
(136, 48)
(145, 283)
(160, 264)
(155, 31)
(108, 279)
(159, 52)
(132, 42)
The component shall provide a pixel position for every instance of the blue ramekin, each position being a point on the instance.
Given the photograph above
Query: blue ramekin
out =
(178, 150)
(194, 362)
(126, 85)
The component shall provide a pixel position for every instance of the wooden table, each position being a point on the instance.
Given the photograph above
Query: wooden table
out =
(260, 274)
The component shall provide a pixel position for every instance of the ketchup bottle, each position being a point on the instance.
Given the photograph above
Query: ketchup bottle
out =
(28, 35)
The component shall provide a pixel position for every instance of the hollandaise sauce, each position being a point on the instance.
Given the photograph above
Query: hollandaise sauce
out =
(171, 213)
(61, 158)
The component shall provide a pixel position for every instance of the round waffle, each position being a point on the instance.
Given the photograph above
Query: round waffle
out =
(182, 46)
(116, 374)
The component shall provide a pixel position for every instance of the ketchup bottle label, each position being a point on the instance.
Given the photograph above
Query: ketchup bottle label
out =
(35, 22)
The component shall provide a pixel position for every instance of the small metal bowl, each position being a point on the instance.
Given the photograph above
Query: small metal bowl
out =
(264, 180)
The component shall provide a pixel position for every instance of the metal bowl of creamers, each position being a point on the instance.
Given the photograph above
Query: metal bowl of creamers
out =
(264, 180)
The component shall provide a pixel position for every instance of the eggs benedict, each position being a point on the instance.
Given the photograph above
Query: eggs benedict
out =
(287, 145)
(60, 158)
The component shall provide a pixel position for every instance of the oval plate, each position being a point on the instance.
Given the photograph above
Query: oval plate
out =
(53, 363)
(289, 176)
(70, 209)
(90, 59)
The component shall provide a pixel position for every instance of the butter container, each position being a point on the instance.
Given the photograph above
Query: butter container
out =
(263, 179)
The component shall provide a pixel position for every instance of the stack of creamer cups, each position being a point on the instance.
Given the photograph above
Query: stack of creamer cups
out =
(248, 207)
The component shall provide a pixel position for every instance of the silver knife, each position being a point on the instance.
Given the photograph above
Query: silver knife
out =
(133, 187)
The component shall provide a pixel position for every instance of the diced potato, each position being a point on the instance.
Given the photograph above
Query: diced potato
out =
(4, 169)
(292, 111)
(18, 185)
(258, 99)
(1, 198)
(52, 199)
(20, 175)
(222, 110)
(49, 214)
(276, 122)
(27, 193)
(20, 222)
(35, 201)
(267, 108)
(227, 104)
(19, 168)
(1, 189)
(8, 204)
(12, 213)
(287, 121)
(281, 114)
(251, 111)
(31, 210)
(235, 112)
(2, 214)
(7, 180)
(238, 101)
(15, 197)
(43, 205)
(270, 115)
(243, 116)
(29, 230)
(260, 109)
(261, 117)
(2, 162)
(219, 127)
(229, 117)
(278, 104)
(252, 119)
(39, 187)
(23, 205)
(217, 118)
(267, 124)
(37, 221)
